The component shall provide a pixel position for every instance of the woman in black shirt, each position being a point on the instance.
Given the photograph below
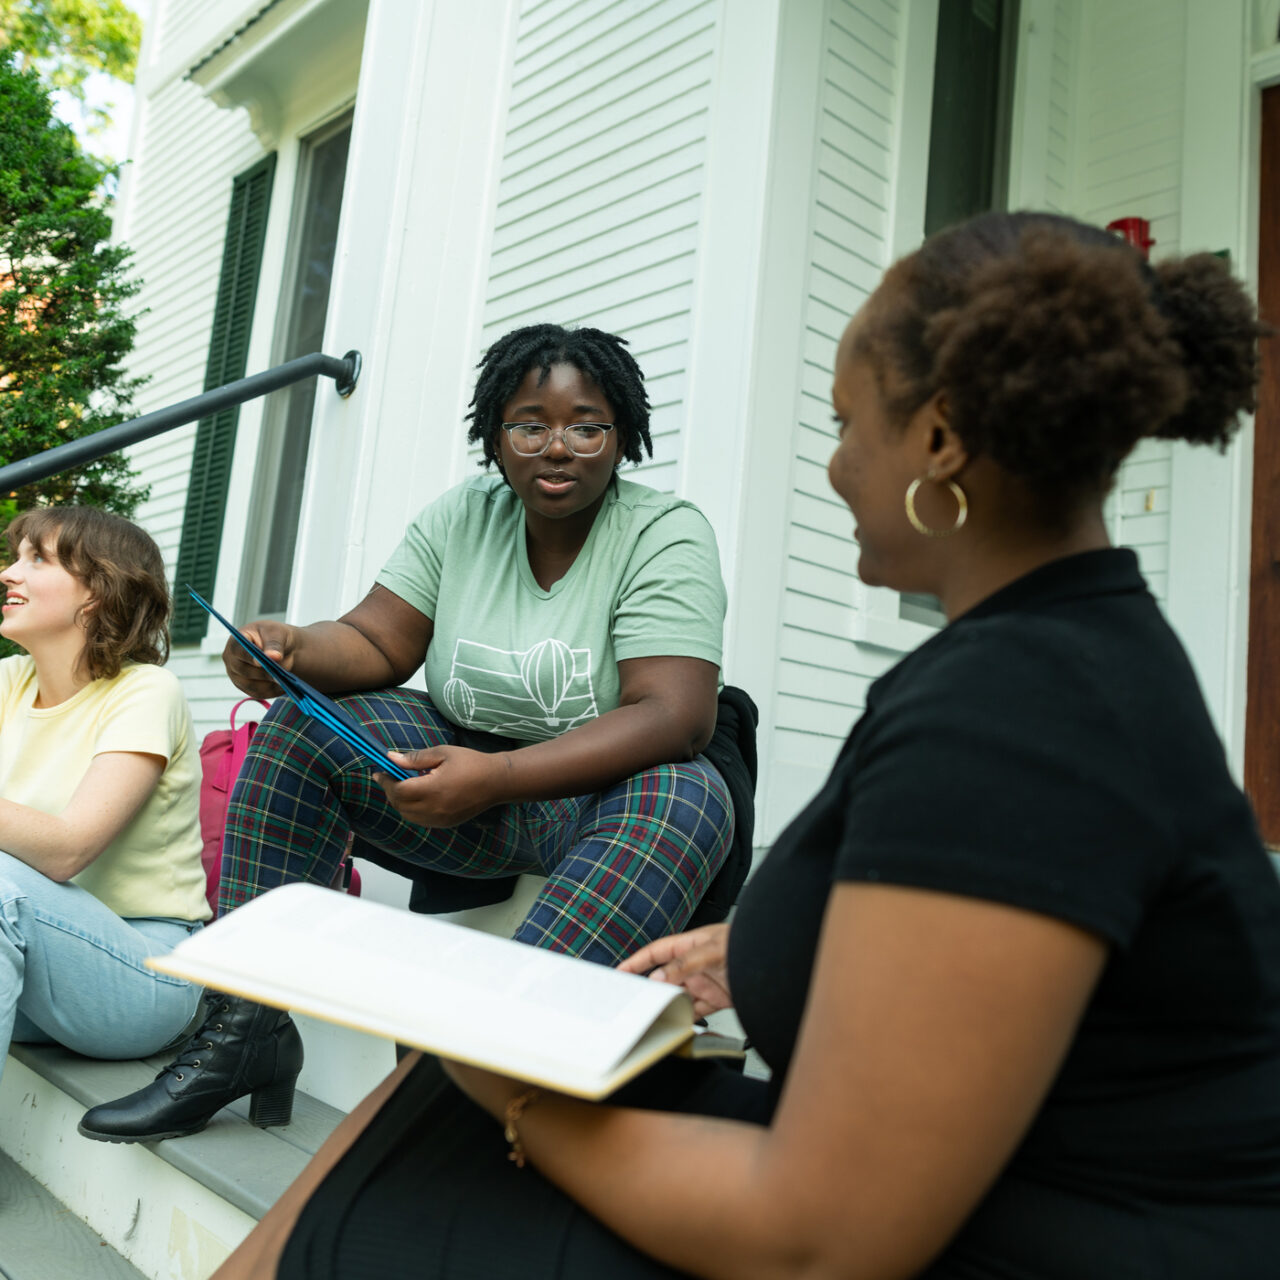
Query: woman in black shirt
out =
(1016, 968)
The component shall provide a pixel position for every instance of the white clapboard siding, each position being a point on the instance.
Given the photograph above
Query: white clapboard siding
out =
(822, 674)
(186, 155)
(600, 195)
(175, 19)
(1066, 19)
(1131, 117)
(176, 224)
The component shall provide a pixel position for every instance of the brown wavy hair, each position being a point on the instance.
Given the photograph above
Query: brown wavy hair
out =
(1059, 348)
(124, 572)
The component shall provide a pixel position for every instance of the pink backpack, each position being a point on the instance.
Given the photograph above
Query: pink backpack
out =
(221, 754)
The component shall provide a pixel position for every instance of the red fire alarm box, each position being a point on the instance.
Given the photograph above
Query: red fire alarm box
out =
(1137, 231)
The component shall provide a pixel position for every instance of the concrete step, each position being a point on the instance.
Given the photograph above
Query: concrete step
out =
(175, 1209)
(172, 1210)
(41, 1239)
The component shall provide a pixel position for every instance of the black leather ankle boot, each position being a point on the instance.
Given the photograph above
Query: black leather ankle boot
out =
(240, 1048)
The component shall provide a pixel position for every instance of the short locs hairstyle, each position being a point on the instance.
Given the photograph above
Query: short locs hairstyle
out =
(602, 357)
(124, 572)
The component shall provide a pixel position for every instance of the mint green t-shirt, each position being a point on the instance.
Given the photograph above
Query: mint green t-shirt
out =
(510, 658)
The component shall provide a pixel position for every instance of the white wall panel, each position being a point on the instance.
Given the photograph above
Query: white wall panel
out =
(600, 198)
(1066, 18)
(175, 19)
(1131, 114)
(186, 154)
(1131, 123)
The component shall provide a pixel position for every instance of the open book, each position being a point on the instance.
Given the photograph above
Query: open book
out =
(537, 1015)
(311, 701)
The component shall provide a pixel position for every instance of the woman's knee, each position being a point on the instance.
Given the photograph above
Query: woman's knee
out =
(688, 799)
(20, 880)
(704, 809)
(283, 721)
(289, 738)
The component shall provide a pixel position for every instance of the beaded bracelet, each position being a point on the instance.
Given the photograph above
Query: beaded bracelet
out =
(515, 1109)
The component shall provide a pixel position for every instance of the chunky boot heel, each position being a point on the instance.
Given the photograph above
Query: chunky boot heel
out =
(240, 1048)
(272, 1104)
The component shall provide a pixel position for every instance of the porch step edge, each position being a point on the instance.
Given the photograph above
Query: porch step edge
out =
(43, 1240)
(174, 1209)
(244, 1165)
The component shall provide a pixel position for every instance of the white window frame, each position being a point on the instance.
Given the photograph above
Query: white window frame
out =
(264, 486)
(877, 621)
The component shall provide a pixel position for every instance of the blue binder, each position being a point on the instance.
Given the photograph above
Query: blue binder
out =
(311, 701)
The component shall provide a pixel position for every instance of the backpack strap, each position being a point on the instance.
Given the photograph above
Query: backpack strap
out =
(266, 706)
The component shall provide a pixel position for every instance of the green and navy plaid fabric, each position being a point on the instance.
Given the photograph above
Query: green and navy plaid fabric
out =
(623, 866)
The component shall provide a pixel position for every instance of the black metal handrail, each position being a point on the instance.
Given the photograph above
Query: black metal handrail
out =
(345, 372)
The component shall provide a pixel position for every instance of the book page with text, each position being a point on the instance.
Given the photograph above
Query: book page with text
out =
(429, 982)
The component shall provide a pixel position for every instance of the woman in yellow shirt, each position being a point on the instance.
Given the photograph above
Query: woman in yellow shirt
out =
(99, 792)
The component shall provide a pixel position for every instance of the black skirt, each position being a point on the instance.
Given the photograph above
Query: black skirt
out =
(427, 1190)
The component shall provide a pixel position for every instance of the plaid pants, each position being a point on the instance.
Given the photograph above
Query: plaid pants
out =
(623, 866)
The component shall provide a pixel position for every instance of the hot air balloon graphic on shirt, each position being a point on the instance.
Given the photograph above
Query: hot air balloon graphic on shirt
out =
(547, 672)
(534, 693)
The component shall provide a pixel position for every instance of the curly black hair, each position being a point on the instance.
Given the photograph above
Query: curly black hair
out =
(602, 357)
(1059, 348)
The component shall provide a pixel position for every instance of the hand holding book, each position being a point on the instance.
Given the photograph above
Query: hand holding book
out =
(449, 785)
(276, 640)
(698, 961)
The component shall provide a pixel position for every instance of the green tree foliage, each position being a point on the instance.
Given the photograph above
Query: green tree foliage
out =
(66, 41)
(64, 329)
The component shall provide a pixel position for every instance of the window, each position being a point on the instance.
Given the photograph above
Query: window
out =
(972, 108)
(280, 474)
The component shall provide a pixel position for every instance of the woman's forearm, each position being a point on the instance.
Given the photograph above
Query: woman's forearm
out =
(876, 1155)
(45, 841)
(595, 755)
(697, 1193)
(114, 788)
(336, 657)
(378, 644)
(666, 715)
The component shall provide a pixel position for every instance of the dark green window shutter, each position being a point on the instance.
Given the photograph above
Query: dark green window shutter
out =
(216, 436)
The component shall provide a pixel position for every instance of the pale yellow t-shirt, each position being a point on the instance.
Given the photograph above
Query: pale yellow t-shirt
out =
(152, 868)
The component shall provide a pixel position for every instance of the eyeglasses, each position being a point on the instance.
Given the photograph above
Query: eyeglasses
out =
(583, 439)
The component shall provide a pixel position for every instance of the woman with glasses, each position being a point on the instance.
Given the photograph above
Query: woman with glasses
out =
(570, 622)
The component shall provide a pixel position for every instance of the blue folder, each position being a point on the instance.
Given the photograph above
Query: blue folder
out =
(311, 701)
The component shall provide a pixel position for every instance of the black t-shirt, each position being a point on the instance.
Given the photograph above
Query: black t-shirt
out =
(1051, 750)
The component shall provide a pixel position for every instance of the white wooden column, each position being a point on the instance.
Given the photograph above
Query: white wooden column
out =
(1208, 600)
(407, 287)
(725, 342)
(749, 317)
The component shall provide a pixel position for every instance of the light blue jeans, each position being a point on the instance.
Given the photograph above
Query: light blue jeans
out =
(72, 972)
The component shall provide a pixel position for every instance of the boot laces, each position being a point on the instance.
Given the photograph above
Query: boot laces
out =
(197, 1044)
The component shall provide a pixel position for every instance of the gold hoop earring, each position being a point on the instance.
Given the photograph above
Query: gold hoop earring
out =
(962, 509)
